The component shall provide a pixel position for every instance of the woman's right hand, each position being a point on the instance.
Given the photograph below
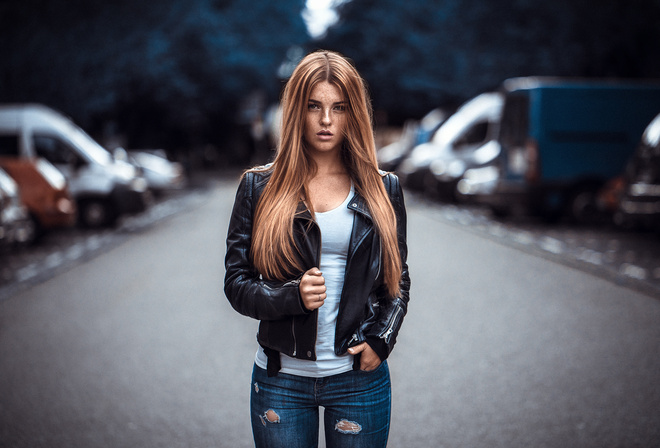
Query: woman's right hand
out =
(312, 289)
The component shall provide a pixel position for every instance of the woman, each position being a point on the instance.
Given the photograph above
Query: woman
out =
(316, 250)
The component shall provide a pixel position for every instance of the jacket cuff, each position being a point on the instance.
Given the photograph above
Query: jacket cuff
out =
(379, 346)
(302, 305)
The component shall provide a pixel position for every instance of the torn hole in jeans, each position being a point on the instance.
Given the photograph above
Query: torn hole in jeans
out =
(348, 427)
(269, 416)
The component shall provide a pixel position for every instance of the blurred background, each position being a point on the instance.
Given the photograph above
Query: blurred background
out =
(526, 135)
(198, 77)
(178, 87)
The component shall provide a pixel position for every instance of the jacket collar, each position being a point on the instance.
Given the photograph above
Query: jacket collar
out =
(357, 203)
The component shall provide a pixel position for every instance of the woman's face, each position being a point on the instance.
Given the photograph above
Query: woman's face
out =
(325, 119)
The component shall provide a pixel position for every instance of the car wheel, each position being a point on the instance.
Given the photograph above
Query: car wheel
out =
(95, 213)
(583, 208)
(28, 232)
(500, 212)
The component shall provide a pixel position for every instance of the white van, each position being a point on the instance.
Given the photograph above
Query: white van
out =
(465, 140)
(103, 187)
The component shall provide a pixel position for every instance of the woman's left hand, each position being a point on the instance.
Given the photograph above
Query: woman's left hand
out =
(369, 360)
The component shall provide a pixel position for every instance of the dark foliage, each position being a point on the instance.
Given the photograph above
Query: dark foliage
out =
(168, 73)
(176, 73)
(419, 54)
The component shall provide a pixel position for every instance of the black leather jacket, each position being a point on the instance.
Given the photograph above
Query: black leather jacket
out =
(366, 311)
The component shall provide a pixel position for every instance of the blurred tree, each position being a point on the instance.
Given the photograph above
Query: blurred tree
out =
(176, 73)
(420, 54)
(401, 48)
(167, 70)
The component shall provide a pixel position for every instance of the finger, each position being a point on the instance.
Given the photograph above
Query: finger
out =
(313, 290)
(311, 302)
(312, 284)
(357, 349)
(314, 271)
(368, 367)
(312, 280)
(316, 281)
(369, 362)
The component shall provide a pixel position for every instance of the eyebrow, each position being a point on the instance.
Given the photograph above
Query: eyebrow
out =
(318, 102)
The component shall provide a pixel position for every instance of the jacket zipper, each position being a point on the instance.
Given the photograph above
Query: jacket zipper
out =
(318, 265)
(380, 260)
(293, 322)
(295, 282)
(390, 328)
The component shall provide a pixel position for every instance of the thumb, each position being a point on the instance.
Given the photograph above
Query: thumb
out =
(357, 349)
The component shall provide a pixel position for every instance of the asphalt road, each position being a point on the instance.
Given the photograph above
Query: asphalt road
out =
(137, 347)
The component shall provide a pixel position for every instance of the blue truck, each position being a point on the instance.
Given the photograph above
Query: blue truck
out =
(561, 140)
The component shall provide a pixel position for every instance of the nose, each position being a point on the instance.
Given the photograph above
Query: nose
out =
(325, 117)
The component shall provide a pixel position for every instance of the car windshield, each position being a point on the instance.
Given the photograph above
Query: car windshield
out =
(480, 108)
(7, 184)
(652, 133)
(91, 148)
(515, 120)
(54, 177)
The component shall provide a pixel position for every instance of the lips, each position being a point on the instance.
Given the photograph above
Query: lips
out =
(324, 135)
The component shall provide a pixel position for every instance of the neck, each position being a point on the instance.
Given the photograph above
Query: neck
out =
(328, 163)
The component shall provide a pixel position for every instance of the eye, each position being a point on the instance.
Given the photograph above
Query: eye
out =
(313, 106)
(340, 107)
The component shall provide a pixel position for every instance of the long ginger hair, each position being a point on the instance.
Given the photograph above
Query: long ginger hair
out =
(273, 249)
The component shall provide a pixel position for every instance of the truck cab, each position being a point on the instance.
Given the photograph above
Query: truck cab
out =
(561, 140)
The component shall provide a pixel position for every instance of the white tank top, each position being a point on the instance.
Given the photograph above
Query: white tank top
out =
(336, 226)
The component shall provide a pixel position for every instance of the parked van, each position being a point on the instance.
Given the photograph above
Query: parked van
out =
(414, 133)
(44, 192)
(561, 140)
(103, 188)
(465, 140)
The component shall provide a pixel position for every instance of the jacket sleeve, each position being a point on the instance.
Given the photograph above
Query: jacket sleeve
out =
(381, 336)
(245, 289)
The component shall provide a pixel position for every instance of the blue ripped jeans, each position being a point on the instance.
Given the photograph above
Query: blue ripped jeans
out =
(285, 409)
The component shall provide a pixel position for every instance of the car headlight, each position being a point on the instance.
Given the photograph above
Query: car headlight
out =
(456, 168)
(64, 205)
(139, 184)
(438, 167)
